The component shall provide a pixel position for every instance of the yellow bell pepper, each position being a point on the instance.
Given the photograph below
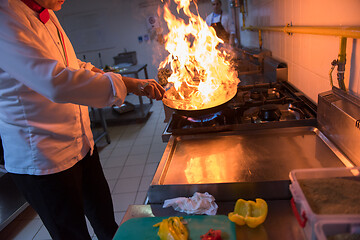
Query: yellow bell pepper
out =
(172, 229)
(249, 212)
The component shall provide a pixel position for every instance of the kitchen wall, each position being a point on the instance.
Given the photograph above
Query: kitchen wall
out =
(308, 57)
(110, 27)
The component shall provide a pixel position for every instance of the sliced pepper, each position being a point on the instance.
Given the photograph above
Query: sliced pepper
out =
(249, 212)
(172, 229)
(212, 235)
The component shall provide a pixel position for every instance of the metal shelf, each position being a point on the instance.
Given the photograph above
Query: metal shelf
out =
(12, 203)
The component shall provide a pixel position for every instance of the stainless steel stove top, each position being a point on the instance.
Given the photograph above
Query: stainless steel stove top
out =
(259, 105)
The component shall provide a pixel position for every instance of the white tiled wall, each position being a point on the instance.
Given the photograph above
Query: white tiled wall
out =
(308, 57)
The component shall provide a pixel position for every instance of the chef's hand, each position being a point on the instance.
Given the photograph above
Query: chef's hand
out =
(94, 69)
(144, 87)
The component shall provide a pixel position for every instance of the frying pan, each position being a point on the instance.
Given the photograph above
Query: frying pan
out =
(211, 108)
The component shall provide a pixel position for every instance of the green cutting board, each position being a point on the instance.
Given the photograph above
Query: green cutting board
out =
(142, 228)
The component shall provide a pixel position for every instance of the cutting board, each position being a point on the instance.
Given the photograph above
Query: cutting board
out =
(142, 228)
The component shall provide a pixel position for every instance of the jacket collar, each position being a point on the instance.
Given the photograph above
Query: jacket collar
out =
(43, 12)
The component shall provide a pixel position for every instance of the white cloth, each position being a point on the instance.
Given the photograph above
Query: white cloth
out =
(44, 119)
(226, 21)
(199, 203)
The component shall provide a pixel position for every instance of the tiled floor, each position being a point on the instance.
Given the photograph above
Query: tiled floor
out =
(129, 164)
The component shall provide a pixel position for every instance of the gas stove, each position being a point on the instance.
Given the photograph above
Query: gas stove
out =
(259, 105)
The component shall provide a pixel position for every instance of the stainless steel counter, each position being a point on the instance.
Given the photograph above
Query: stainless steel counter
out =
(240, 164)
(279, 224)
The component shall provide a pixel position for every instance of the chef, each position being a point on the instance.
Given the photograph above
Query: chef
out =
(45, 92)
(222, 23)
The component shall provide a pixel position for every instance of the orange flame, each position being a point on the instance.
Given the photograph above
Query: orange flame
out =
(202, 77)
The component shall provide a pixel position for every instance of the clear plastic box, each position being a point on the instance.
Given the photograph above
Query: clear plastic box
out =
(306, 217)
(327, 228)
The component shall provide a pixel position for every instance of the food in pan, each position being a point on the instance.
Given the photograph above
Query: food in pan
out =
(172, 228)
(163, 75)
(249, 212)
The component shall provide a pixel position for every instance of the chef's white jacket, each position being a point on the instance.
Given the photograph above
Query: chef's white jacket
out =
(44, 119)
(226, 21)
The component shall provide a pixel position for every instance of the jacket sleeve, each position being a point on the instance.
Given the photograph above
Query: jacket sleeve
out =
(86, 65)
(27, 60)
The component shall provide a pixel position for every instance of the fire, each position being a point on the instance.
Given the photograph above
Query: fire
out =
(202, 77)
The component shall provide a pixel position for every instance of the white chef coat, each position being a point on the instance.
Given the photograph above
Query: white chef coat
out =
(44, 119)
(227, 23)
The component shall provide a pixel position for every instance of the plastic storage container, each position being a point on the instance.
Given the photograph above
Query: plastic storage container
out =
(325, 229)
(306, 216)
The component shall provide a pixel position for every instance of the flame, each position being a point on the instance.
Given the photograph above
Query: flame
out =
(202, 77)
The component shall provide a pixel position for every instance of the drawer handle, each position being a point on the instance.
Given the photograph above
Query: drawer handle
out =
(301, 222)
(357, 123)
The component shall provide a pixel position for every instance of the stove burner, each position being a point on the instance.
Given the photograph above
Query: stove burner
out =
(208, 120)
(269, 112)
(258, 93)
(273, 93)
(205, 118)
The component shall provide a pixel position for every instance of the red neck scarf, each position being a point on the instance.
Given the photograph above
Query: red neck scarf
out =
(43, 12)
(44, 17)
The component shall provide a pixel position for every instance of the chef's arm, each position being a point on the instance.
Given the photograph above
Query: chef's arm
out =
(142, 87)
(25, 59)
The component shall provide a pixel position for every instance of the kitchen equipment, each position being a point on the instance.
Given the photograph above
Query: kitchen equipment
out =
(126, 57)
(12, 202)
(338, 118)
(330, 228)
(235, 154)
(269, 112)
(253, 57)
(292, 107)
(325, 180)
(142, 228)
(274, 69)
(251, 162)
